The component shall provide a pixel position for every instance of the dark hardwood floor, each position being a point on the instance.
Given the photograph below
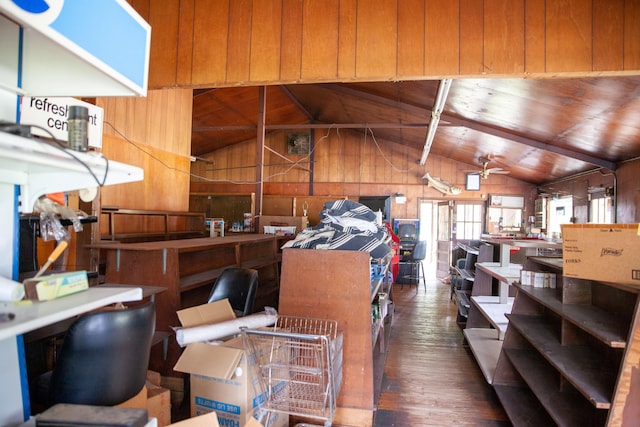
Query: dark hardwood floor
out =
(430, 378)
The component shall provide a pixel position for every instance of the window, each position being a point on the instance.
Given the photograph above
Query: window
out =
(560, 212)
(468, 221)
(601, 210)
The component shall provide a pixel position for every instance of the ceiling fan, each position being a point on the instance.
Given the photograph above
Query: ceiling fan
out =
(486, 170)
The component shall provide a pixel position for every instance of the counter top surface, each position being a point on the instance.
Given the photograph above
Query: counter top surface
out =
(31, 315)
(199, 243)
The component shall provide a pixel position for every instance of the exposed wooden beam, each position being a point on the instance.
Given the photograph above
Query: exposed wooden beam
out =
(297, 103)
(501, 133)
(319, 126)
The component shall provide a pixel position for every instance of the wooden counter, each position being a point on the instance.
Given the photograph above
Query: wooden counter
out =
(188, 268)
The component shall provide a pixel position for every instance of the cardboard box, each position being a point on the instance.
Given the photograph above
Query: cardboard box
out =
(603, 252)
(158, 399)
(209, 420)
(45, 288)
(159, 404)
(220, 374)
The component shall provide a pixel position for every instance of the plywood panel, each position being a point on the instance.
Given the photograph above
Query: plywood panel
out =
(504, 36)
(331, 291)
(291, 56)
(631, 35)
(320, 39)
(164, 43)
(347, 39)
(150, 133)
(351, 154)
(265, 40)
(153, 192)
(472, 37)
(411, 28)
(442, 37)
(608, 31)
(185, 42)
(535, 37)
(240, 17)
(569, 35)
(377, 30)
(210, 41)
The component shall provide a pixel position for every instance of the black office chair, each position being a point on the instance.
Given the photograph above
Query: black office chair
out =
(103, 359)
(418, 254)
(239, 285)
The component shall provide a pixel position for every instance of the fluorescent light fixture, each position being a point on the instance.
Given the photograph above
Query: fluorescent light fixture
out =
(438, 107)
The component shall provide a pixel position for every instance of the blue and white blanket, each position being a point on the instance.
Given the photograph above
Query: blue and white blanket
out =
(345, 225)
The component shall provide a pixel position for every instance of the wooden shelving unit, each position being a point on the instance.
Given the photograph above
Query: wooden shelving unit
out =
(124, 225)
(487, 322)
(571, 352)
(473, 254)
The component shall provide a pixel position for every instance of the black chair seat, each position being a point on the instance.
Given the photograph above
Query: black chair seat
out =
(239, 285)
(103, 359)
(414, 260)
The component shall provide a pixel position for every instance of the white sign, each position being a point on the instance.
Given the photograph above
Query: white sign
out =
(51, 114)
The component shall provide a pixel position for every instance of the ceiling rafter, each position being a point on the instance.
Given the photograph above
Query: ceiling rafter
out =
(502, 133)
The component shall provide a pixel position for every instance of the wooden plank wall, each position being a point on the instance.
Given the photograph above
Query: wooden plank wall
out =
(230, 42)
(153, 133)
(345, 164)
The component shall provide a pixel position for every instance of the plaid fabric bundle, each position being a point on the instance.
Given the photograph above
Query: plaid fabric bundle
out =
(345, 225)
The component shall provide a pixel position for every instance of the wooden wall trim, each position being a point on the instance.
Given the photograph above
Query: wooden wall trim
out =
(222, 43)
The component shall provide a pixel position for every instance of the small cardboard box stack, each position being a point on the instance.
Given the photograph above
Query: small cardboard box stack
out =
(603, 252)
(220, 374)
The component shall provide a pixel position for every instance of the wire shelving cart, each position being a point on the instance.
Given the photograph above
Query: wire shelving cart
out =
(298, 365)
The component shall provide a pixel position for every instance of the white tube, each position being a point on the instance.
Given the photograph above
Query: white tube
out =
(204, 333)
(11, 290)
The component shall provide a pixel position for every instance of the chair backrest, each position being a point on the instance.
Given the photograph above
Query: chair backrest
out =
(239, 285)
(104, 357)
(419, 251)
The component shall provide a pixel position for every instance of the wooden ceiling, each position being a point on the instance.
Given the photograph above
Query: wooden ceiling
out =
(540, 130)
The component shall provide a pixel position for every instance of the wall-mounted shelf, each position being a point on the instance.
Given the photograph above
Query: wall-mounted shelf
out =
(40, 168)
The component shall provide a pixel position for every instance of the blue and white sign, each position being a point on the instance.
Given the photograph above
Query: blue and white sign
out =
(109, 35)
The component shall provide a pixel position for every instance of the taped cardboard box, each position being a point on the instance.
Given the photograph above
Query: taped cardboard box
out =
(603, 252)
(220, 377)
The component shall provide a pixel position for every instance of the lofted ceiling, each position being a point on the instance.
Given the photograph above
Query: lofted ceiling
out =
(540, 130)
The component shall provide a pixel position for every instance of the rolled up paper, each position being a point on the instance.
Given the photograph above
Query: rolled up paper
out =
(11, 290)
(204, 333)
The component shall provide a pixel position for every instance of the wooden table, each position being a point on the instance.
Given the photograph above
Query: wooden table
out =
(187, 268)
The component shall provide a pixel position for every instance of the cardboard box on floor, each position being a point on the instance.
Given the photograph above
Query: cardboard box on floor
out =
(210, 420)
(603, 252)
(219, 374)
